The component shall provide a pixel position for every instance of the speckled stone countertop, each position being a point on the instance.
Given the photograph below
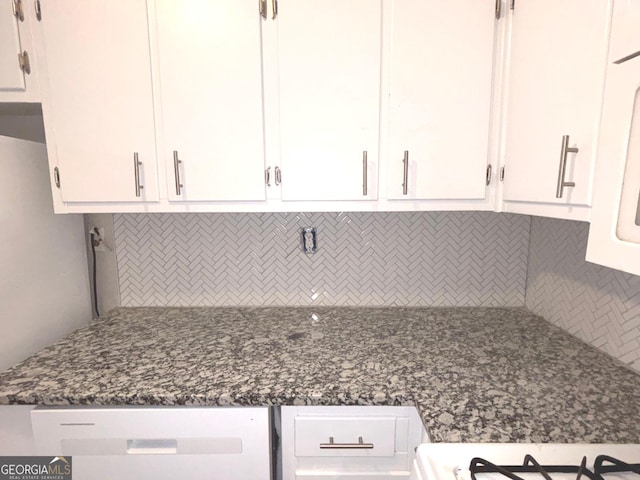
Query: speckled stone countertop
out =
(475, 374)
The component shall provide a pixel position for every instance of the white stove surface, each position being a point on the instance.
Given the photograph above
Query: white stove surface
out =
(450, 461)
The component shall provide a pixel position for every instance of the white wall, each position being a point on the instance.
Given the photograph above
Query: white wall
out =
(44, 286)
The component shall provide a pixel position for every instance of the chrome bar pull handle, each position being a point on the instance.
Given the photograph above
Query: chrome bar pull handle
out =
(278, 175)
(263, 8)
(405, 181)
(274, 6)
(498, 9)
(564, 151)
(627, 58)
(267, 176)
(347, 446)
(176, 172)
(365, 180)
(56, 176)
(489, 173)
(136, 173)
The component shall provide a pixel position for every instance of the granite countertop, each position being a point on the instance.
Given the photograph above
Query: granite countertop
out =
(475, 374)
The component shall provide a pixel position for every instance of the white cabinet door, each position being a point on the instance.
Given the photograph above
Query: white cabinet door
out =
(99, 110)
(210, 63)
(11, 75)
(329, 97)
(625, 35)
(557, 67)
(440, 98)
(614, 234)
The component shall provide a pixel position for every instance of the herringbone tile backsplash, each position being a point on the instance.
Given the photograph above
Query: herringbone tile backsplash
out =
(599, 305)
(418, 258)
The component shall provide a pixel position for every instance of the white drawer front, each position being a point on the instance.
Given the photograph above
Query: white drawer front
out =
(394, 432)
(316, 434)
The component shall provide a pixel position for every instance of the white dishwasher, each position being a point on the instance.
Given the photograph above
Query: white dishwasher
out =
(139, 443)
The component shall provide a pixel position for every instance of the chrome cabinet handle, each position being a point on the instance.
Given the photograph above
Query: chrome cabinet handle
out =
(176, 172)
(627, 58)
(267, 176)
(274, 5)
(489, 173)
(498, 9)
(263, 9)
(365, 180)
(278, 175)
(405, 181)
(346, 446)
(564, 150)
(136, 173)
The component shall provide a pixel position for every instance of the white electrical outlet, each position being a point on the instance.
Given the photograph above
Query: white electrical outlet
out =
(98, 239)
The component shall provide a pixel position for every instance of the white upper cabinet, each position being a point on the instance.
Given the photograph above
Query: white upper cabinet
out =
(614, 235)
(11, 74)
(210, 71)
(557, 70)
(17, 60)
(98, 113)
(440, 86)
(329, 98)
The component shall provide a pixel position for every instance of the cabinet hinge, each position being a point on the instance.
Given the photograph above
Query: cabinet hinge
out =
(23, 61)
(502, 174)
(512, 4)
(488, 177)
(56, 176)
(263, 9)
(38, 10)
(18, 12)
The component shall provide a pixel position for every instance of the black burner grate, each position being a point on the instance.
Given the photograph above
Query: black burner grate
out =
(530, 465)
(614, 466)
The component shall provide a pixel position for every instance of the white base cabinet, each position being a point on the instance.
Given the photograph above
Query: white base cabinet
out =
(189, 443)
(16, 438)
(351, 442)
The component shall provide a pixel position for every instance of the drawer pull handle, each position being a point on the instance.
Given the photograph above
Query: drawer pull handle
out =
(344, 446)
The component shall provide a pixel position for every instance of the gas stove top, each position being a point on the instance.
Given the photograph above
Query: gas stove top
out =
(521, 461)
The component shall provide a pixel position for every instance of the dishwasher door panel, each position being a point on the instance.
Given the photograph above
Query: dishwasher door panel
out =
(189, 443)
